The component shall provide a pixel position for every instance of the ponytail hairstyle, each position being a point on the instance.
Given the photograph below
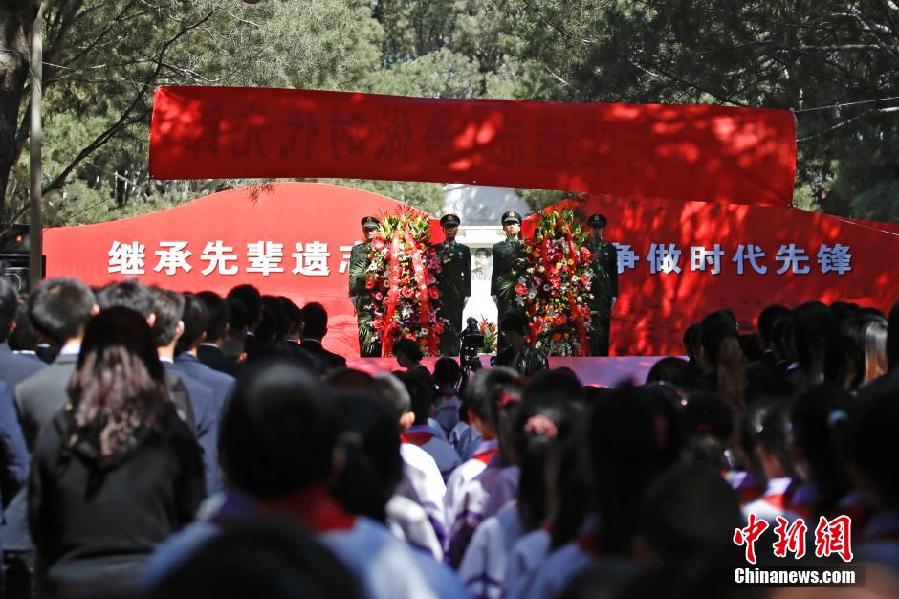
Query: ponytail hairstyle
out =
(369, 441)
(492, 396)
(771, 429)
(709, 424)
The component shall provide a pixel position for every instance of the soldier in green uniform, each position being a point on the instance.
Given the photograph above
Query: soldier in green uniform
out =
(605, 285)
(358, 264)
(505, 255)
(454, 283)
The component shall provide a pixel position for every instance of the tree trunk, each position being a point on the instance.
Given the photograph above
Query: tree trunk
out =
(15, 54)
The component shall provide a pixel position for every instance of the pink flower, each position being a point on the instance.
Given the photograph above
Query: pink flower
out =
(378, 243)
(520, 289)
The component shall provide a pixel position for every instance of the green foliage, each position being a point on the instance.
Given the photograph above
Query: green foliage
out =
(105, 58)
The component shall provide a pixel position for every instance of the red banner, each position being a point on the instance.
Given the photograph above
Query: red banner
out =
(290, 239)
(683, 152)
(681, 260)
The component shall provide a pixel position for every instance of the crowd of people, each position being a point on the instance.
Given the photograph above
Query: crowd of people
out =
(162, 444)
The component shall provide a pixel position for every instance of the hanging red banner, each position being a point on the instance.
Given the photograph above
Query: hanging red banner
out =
(685, 152)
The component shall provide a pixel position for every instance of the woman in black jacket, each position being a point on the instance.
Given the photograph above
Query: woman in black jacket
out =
(115, 472)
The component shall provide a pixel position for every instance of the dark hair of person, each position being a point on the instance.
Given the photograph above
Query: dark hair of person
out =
(819, 424)
(765, 323)
(373, 466)
(280, 324)
(61, 307)
(219, 315)
(632, 439)
(709, 423)
(817, 336)
(23, 336)
(771, 429)
(671, 370)
(513, 321)
(876, 340)
(252, 300)
(278, 430)
(410, 349)
(128, 294)
(421, 395)
(540, 424)
(872, 446)
(168, 307)
(893, 339)
(689, 510)
(118, 388)
(447, 373)
(271, 558)
(196, 320)
(783, 341)
(9, 302)
(569, 499)
(239, 316)
(488, 390)
(295, 320)
(714, 331)
(270, 325)
(749, 345)
(315, 319)
(691, 342)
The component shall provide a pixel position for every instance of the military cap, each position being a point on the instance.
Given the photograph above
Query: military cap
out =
(597, 221)
(450, 220)
(510, 216)
(370, 222)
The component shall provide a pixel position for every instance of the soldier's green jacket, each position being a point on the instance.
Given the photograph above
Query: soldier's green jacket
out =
(605, 271)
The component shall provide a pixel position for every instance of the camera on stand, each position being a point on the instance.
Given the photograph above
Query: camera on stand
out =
(472, 342)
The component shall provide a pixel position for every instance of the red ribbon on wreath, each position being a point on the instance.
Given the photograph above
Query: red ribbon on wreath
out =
(421, 276)
(393, 291)
(576, 314)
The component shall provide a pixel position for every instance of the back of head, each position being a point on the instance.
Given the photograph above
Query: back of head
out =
(219, 313)
(489, 390)
(410, 349)
(23, 337)
(670, 370)
(817, 336)
(689, 510)
(715, 330)
(370, 442)
(514, 322)
(421, 395)
(275, 323)
(61, 307)
(315, 321)
(168, 307)
(295, 320)
(127, 294)
(631, 441)
(709, 424)
(765, 324)
(196, 321)
(447, 373)
(118, 388)
(278, 431)
(9, 301)
(876, 339)
(252, 300)
(691, 342)
(259, 558)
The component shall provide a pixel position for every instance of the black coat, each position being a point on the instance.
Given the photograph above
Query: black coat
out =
(527, 362)
(94, 528)
(328, 360)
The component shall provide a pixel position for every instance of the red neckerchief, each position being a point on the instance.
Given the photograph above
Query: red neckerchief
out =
(416, 438)
(485, 456)
(313, 507)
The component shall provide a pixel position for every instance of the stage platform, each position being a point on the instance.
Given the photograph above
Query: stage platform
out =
(598, 372)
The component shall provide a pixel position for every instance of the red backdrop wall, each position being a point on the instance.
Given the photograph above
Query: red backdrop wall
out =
(285, 213)
(649, 319)
(654, 309)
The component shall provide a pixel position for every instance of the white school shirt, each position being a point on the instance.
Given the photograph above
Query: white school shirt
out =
(438, 431)
(409, 522)
(446, 410)
(475, 505)
(483, 569)
(464, 473)
(423, 484)
(385, 566)
(443, 453)
(465, 440)
(526, 555)
(555, 572)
